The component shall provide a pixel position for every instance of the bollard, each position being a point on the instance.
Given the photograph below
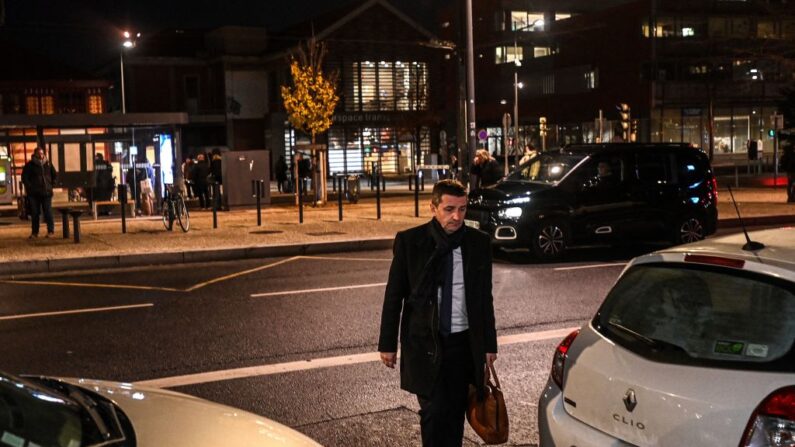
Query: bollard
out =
(76, 224)
(422, 182)
(65, 221)
(410, 177)
(300, 200)
(259, 202)
(216, 199)
(123, 203)
(416, 196)
(383, 180)
(378, 199)
(339, 195)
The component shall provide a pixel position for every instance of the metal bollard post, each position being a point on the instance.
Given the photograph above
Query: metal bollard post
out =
(259, 202)
(378, 200)
(383, 180)
(416, 196)
(422, 182)
(216, 199)
(123, 203)
(410, 177)
(300, 200)
(339, 195)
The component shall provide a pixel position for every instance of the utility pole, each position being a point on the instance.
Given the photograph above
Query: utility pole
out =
(471, 126)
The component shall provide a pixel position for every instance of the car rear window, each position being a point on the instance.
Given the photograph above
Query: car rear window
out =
(702, 315)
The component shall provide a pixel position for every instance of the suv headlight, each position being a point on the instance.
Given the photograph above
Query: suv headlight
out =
(513, 212)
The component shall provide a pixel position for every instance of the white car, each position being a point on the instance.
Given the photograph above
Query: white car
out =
(693, 346)
(42, 411)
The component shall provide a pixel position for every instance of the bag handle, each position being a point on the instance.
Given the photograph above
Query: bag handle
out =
(490, 371)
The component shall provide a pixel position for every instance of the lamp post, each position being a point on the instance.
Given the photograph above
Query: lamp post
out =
(129, 42)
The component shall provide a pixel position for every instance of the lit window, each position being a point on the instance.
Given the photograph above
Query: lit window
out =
(505, 55)
(95, 104)
(688, 32)
(562, 16)
(527, 21)
(32, 105)
(47, 105)
(591, 79)
(542, 51)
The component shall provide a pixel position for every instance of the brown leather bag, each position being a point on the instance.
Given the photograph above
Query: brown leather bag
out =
(488, 416)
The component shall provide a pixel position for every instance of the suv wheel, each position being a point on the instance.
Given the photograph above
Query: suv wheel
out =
(549, 239)
(688, 229)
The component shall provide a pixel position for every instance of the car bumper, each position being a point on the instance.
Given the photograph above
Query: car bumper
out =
(557, 428)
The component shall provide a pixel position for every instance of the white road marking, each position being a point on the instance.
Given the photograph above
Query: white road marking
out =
(327, 362)
(342, 258)
(324, 289)
(593, 266)
(76, 311)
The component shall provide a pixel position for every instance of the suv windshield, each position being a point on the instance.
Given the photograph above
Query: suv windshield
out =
(700, 315)
(549, 167)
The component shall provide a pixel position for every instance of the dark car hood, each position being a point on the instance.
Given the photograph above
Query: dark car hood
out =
(505, 190)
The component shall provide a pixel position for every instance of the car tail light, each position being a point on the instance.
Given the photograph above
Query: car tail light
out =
(773, 421)
(559, 359)
(715, 260)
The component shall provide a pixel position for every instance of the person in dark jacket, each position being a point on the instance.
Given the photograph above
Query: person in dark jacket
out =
(486, 170)
(38, 176)
(199, 173)
(280, 172)
(216, 165)
(445, 318)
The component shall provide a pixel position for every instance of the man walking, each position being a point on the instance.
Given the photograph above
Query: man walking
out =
(441, 279)
(38, 176)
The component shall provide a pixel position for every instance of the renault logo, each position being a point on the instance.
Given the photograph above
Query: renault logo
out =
(629, 400)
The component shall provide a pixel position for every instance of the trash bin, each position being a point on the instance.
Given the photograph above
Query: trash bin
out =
(354, 188)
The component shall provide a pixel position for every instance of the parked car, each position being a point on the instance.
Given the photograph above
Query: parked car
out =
(600, 193)
(43, 411)
(693, 346)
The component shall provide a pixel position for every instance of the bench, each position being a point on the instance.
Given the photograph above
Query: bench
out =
(97, 203)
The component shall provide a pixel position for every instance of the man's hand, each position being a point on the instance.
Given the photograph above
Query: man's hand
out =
(491, 357)
(389, 359)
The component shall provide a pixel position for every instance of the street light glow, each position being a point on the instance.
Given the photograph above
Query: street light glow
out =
(128, 44)
(126, 34)
(520, 84)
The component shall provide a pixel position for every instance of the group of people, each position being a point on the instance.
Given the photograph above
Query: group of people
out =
(200, 173)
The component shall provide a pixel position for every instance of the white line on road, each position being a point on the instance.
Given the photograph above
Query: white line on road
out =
(327, 362)
(593, 266)
(324, 289)
(76, 311)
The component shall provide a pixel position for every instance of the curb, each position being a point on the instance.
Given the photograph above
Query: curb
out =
(9, 269)
(756, 221)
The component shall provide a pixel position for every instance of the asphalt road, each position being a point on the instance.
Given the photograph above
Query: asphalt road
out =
(305, 329)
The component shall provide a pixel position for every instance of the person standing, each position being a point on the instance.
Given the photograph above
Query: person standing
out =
(280, 172)
(38, 176)
(445, 318)
(199, 173)
(486, 169)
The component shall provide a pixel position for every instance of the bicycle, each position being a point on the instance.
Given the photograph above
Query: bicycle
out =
(174, 208)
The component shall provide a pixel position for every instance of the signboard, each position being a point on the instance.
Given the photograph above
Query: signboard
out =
(483, 135)
(445, 167)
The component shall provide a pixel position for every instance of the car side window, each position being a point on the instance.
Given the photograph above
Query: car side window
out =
(655, 168)
(602, 172)
(690, 168)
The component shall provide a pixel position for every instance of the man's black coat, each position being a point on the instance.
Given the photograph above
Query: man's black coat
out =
(419, 323)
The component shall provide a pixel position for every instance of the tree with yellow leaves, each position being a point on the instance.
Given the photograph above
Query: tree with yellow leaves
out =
(311, 100)
(310, 103)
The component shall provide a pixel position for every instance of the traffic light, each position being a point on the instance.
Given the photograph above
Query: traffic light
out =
(623, 111)
(771, 133)
(542, 126)
(633, 131)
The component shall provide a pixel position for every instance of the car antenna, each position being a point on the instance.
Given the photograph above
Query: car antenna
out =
(750, 245)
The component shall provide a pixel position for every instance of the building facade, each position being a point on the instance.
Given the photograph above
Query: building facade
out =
(686, 69)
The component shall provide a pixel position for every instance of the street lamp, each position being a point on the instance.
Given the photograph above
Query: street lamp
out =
(129, 42)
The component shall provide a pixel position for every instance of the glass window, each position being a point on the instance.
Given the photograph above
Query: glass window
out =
(546, 167)
(386, 86)
(95, 105)
(32, 105)
(689, 314)
(541, 52)
(504, 55)
(718, 27)
(47, 103)
(654, 168)
(527, 21)
(548, 85)
(767, 29)
(740, 27)
(591, 79)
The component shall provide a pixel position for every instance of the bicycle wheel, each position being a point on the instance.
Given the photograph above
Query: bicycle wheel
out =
(168, 221)
(182, 214)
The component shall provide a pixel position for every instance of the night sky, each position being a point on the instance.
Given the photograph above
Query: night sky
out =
(86, 33)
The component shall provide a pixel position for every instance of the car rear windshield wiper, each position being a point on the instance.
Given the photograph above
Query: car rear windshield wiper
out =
(657, 345)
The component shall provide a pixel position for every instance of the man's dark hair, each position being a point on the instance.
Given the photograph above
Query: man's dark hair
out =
(451, 187)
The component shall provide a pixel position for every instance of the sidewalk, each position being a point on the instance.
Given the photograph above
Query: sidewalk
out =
(238, 236)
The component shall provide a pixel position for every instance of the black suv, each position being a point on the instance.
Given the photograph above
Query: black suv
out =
(600, 193)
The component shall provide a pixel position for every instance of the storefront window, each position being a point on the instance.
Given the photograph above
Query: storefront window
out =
(692, 124)
(724, 141)
(671, 125)
(505, 55)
